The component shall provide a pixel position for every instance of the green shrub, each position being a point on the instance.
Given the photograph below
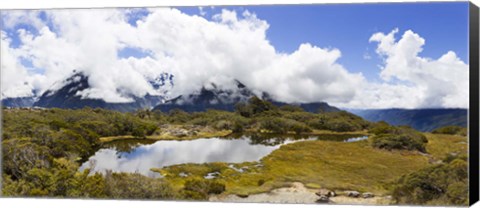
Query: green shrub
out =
(291, 108)
(403, 137)
(452, 130)
(444, 184)
(243, 109)
(200, 188)
(282, 125)
(136, 186)
(21, 155)
(398, 141)
(382, 128)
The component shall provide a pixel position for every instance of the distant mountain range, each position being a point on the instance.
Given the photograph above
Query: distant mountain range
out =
(19, 102)
(225, 99)
(67, 97)
(64, 94)
(421, 119)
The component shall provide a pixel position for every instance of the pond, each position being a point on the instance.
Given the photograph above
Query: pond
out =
(141, 155)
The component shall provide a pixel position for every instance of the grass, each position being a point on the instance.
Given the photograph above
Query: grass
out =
(440, 145)
(341, 166)
(325, 164)
(221, 133)
(318, 164)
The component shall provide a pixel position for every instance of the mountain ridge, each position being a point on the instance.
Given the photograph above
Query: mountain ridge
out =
(225, 99)
(66, 97)
(426, 119)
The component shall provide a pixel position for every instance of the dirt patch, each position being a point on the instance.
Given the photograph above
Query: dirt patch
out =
(298, 194)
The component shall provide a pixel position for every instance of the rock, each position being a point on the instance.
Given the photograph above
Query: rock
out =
(326, 192)
(258, 165)
(323, 199)
(324, 195)
(212, 175)
(242, 195)
(332, 194)
(178, 132)
(352, 193)
(367, 195)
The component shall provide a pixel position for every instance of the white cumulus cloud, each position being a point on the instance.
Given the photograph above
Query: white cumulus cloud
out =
(198, 51)
(413, 81)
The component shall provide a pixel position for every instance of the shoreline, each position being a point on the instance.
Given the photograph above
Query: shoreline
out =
(221, 133)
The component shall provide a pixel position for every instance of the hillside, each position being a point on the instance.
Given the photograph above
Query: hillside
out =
(420, 119)
(19, 102)
(214, 97)
(67, 97)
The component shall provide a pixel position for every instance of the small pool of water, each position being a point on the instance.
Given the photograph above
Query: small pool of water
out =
(141, 155)
(356, 139)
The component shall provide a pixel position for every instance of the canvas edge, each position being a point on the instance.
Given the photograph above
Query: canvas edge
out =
(473, 125)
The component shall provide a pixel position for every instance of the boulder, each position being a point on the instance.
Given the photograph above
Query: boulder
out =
(354, 194)
(324, 195)
(323, 199)
(179, 132)
(367, 195)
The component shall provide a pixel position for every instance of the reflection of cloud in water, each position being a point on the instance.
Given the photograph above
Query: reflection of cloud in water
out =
(356, 139)
(165, 153)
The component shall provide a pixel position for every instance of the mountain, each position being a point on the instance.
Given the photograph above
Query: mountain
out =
(19, 102)
(66, 96)
(420, 119)
(318, 107)
(213, 97)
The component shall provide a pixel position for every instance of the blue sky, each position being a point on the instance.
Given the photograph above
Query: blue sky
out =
(348, 27)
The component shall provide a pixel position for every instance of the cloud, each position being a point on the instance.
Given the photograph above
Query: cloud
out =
(14, 76)
(412, 81)
(22, 17)
(195, 50)
(201, 11)
(198, 51)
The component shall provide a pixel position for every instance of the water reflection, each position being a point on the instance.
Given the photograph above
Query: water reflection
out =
(141, 155)
(356, 139)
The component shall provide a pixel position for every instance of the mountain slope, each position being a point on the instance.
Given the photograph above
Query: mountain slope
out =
(212, 97)
(420, 119)
(19, 102)
(66, 97)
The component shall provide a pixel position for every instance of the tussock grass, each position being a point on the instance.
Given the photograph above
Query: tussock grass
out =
(341, 166)
(325, 164)
(440, 145)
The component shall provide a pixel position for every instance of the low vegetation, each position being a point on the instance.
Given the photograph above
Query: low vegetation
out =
(327, 164)
(441, 146)
(390, 138)
(443, 184)
(62, 179)
(43, 149)
(452, 130)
